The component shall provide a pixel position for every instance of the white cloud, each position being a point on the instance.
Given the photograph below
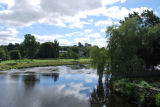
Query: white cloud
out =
(78, 24)
(110, 2)
(22, 13)
(66, 42)
(82, 40)
(139, 10)
(47, 38)
(74, 34)
(10, 3)
(53, 21)
(26, 12)
(103, 30)
(88, 30)
(88, 36)
(9, 36)
(101, 42)
(116, 12)
(91, 20)
(103, 23)
(69, 7)
(63, 13)
(93, 35)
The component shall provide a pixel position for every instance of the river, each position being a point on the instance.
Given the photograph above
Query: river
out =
(56, 86)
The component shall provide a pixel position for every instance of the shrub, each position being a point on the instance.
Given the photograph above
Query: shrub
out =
(75, 56)
(145, 84)
(129, 89)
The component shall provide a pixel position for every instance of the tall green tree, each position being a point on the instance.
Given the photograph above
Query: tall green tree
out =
(56, 48)
(133, 45)
(99, 59)
(10, 47)
(150, 18)
(46, 50)
(31, 46)
(80, 44)
(123, 45)
(150, 52)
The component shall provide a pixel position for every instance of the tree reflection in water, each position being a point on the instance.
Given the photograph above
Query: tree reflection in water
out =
(55, 76)
(102, 96)
(98, 96)
(15, 77)
(30, 80)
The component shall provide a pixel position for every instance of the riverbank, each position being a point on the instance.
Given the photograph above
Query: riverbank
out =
(138, 91)
(11, 64)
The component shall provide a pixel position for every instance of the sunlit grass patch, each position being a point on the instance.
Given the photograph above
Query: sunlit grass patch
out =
(26, 63)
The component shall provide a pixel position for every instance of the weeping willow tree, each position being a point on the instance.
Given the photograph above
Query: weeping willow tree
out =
(123, 46)
(134, 45)
(99, 59)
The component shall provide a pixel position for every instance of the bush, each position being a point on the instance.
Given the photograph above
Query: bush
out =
(124, 87)
(141, 94)
(145, 84)
(72, 54)
(75, 56)
(15, 54)
(158, 99)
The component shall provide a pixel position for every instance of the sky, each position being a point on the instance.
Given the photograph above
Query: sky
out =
(68, 21)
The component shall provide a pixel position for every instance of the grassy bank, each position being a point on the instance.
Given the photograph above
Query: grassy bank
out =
(26, 63)
(138, 91)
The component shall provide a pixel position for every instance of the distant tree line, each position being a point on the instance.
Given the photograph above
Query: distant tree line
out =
(30, 49)
(75, 51)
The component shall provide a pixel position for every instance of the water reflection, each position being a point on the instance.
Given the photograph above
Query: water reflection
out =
(98, 96)
(15, 77)
(66, 88)
(30, 80)
(100, 70)
(102, 96)
(55, 76)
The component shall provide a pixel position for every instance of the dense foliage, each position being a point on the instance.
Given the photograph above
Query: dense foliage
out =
(98, 59)
(15, 54)
(134, 45)
(49, 50)
(3, 53)
(140, 92)
(31, 46)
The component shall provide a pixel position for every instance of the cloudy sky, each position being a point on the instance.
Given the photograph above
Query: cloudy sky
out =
(68, 21)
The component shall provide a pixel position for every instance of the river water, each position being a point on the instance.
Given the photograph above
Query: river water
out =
(57, 86)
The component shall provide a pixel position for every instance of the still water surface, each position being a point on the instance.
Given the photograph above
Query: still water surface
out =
(58, 86)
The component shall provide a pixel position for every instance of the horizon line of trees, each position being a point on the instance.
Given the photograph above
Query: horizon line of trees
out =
(30, 49)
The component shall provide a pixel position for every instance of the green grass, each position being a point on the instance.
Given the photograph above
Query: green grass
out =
(43, 60)
(26, 63)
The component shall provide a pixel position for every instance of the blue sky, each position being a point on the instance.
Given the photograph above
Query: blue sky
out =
(68, 21)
